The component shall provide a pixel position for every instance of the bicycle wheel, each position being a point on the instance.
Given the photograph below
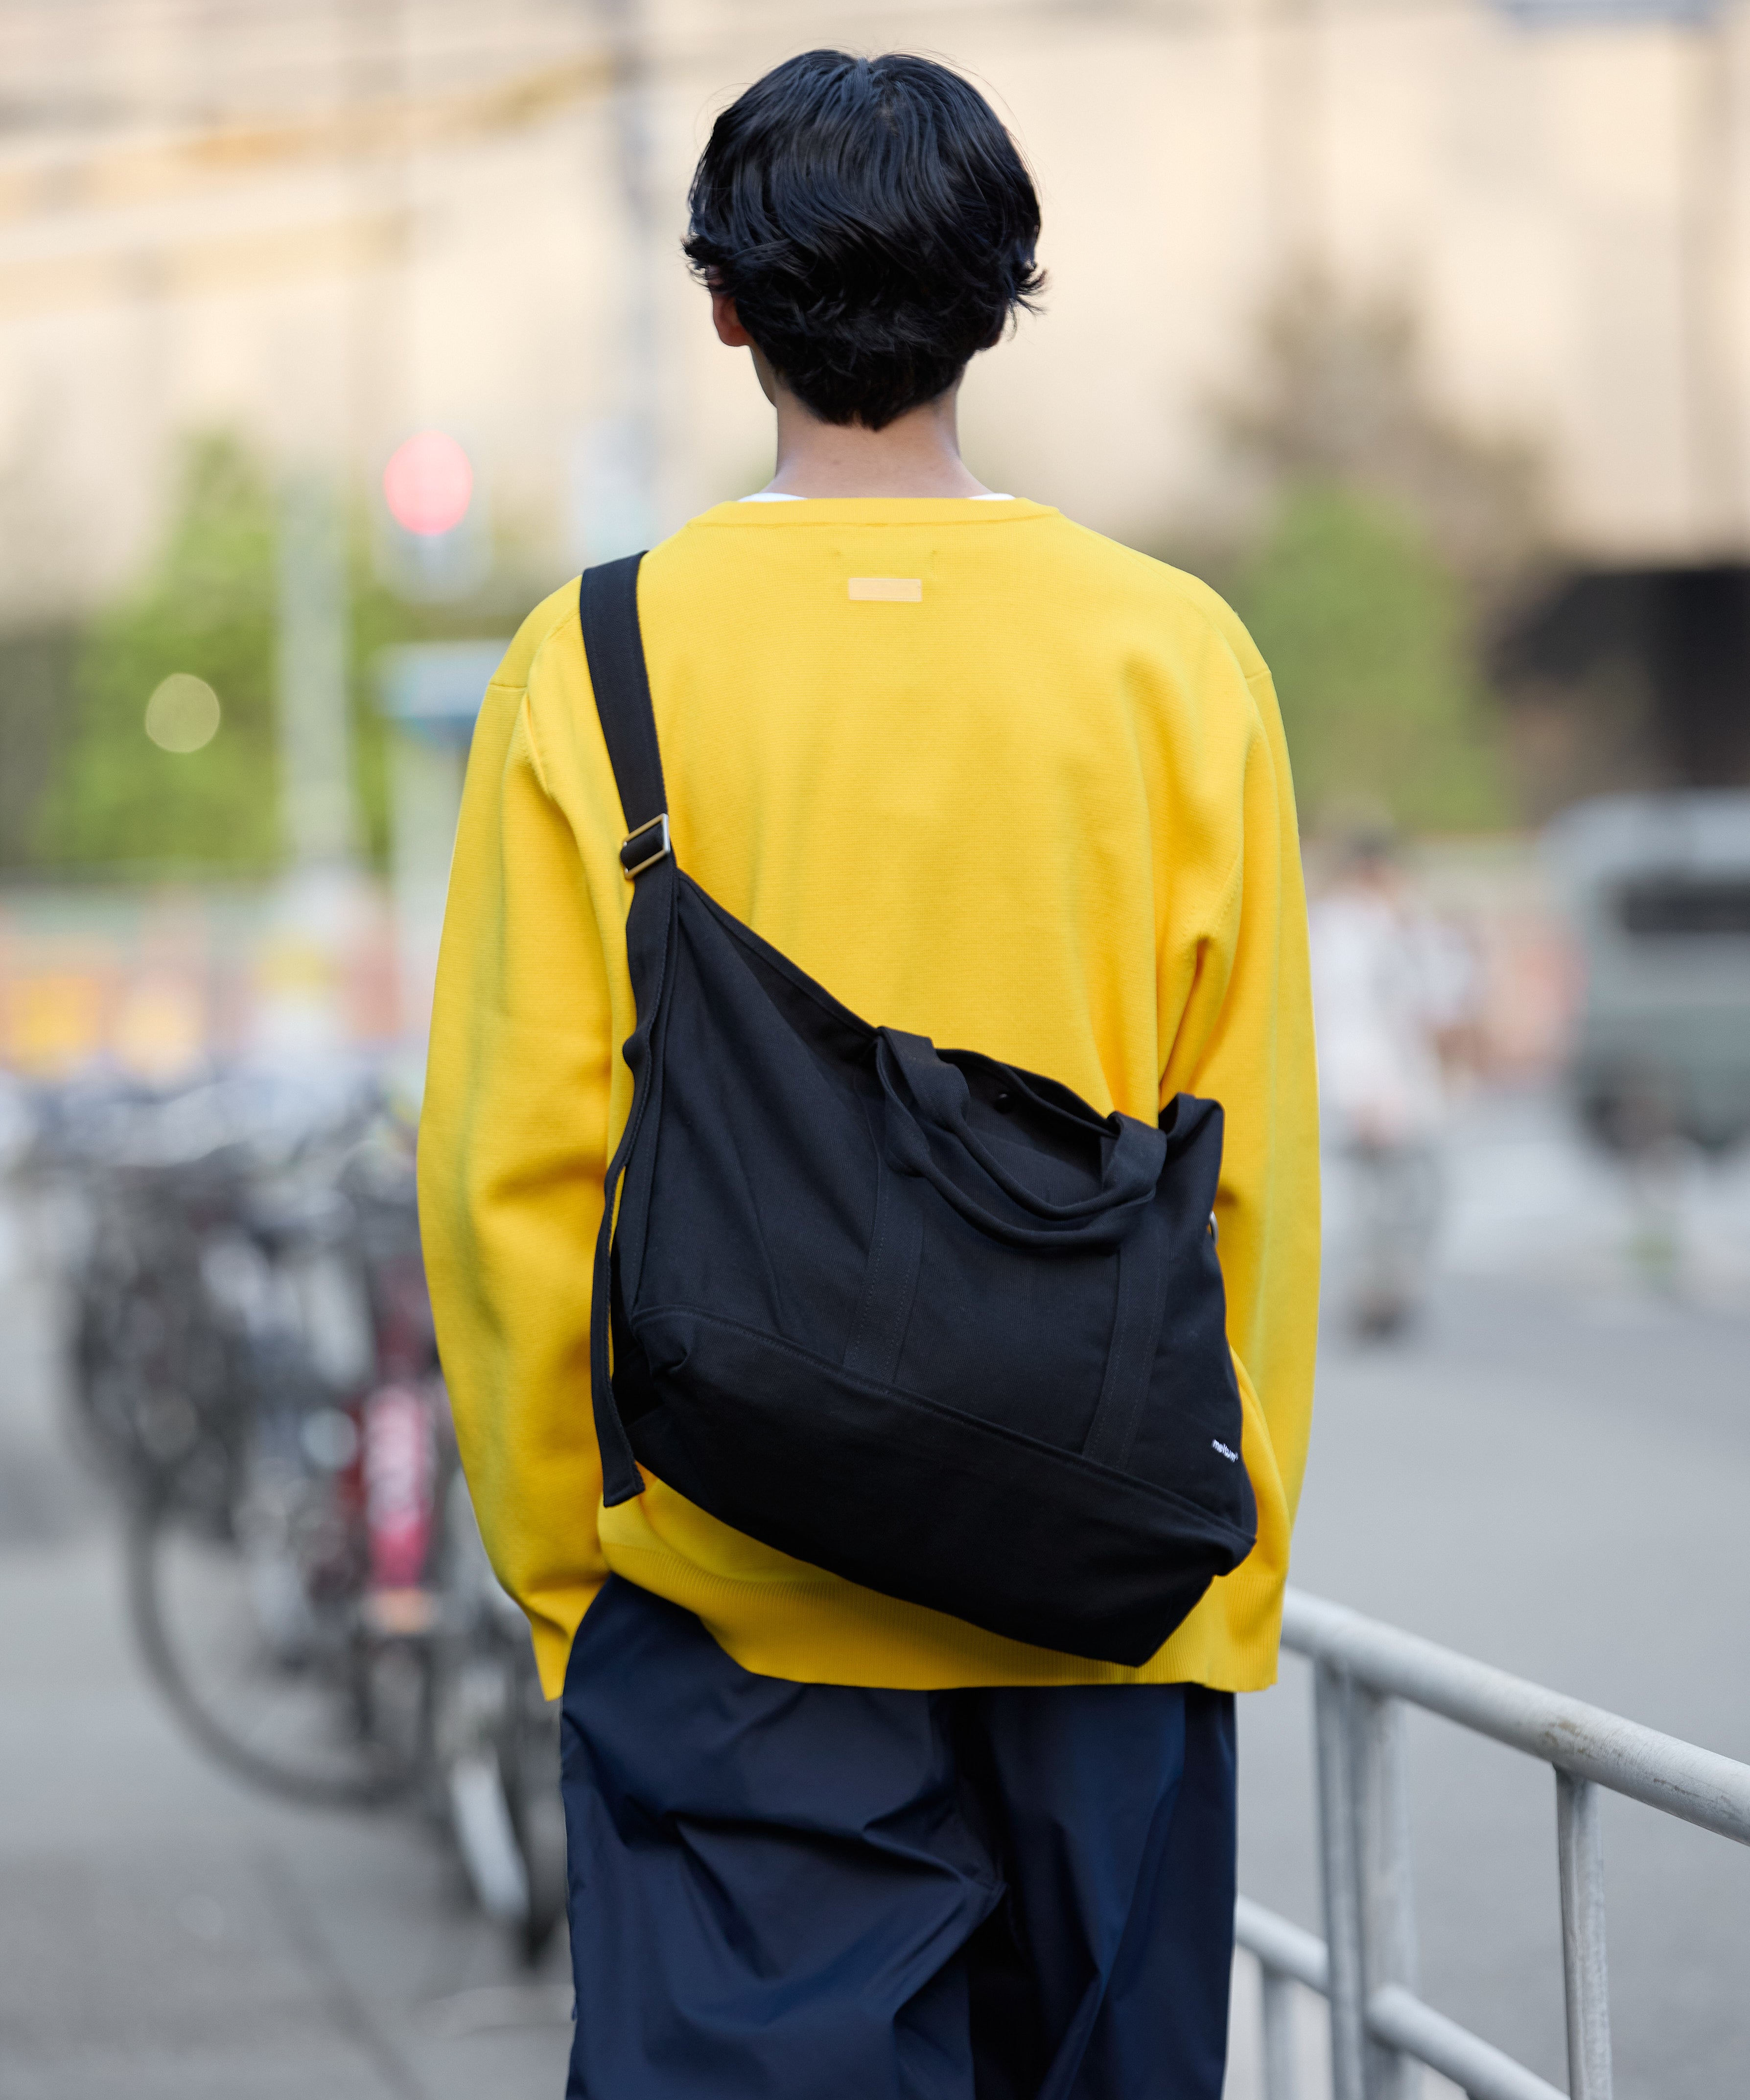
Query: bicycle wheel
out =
(530, 1760)
(282, 1690)
(504, 1808)
(498, 1743)
(154, 1378)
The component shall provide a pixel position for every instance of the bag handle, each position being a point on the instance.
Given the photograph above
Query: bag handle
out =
(939, 1099)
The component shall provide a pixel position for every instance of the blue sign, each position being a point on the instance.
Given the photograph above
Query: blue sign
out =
(434, 689)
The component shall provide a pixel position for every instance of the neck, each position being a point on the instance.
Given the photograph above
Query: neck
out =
(917, 454)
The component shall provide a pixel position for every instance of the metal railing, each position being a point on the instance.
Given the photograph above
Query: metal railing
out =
(1363, 1674)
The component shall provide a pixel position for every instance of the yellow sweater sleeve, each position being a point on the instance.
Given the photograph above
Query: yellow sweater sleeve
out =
(513, 1150)
(1245, 1038)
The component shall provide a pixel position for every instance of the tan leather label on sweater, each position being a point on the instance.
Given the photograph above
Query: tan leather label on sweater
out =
(891, 590)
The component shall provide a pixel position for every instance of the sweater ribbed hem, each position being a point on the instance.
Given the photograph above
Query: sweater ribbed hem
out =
(821, 1630)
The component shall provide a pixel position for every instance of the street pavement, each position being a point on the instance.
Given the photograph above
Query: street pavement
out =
(165, 1933)
(1551, 1471)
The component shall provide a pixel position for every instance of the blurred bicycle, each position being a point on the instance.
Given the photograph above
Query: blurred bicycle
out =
(256, 1373)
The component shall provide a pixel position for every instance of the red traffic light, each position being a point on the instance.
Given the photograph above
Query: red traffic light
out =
(428, 484)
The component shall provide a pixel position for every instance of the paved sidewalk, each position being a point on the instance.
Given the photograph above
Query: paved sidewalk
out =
(165, 1933)
(1556, 1483)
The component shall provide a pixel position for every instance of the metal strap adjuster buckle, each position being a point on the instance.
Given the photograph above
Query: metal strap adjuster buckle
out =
(645, 858)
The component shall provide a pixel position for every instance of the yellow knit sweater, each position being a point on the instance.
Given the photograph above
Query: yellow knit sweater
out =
(1038, 806)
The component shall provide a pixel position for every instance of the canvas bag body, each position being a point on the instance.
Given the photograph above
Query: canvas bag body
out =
(917, 1317)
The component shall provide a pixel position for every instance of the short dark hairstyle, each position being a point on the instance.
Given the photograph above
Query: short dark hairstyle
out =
(874, 223)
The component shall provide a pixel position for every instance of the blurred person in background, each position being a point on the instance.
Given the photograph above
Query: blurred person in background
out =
(1393, 988)
(824, 1841)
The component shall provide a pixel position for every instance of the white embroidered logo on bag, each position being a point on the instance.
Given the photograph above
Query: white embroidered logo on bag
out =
(1232, 1458)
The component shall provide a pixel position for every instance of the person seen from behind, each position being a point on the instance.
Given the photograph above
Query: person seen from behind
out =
(870, 1792)
(1391, 987)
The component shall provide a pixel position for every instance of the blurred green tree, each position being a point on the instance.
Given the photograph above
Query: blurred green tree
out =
(1366, 631)
(205, 607)
(1392, 537)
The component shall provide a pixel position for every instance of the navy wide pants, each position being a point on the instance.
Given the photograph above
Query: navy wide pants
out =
(815, 1892)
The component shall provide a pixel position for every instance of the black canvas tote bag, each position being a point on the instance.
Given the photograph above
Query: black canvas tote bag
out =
(910, 1315)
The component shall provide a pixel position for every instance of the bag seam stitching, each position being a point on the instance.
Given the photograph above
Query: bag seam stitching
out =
(997, 1429)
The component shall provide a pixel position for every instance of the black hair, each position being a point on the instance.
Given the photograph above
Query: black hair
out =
(873, 222)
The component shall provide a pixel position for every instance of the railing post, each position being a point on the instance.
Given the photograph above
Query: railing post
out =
(1579, 1849)
(1281, 2069)
(1332, 1700)
(1387, 1909)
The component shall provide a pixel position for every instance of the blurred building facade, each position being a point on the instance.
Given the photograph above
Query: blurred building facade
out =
(331, 221)
(325, 225)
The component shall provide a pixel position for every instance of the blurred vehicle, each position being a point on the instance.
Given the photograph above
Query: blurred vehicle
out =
(255, 1371)
(1659, 888)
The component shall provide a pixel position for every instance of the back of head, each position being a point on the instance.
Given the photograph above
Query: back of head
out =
(874, 224)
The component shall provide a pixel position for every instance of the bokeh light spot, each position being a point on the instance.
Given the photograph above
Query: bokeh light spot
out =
(182, 713)
(428, 483)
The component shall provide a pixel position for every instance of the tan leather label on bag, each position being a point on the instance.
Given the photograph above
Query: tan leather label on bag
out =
(890, 590)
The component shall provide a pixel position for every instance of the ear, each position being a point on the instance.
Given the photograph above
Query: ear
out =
(728, 322)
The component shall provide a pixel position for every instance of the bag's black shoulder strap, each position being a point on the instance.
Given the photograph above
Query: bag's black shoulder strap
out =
(608, 610)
